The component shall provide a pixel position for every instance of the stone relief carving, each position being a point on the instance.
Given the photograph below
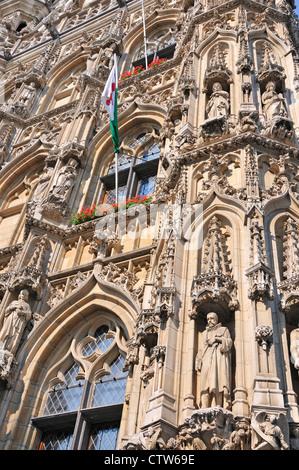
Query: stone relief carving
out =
(217, 166)
(123, 278)
(103, 242)
(192, 435)
(148, 369)
(56, 296)
(132, 356)
(212, 429)
(267, 434)
(149, 439)
(38, 257)
(213, 361)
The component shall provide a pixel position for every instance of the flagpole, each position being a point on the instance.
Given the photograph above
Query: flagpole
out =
(144, 35)
(116, 177)
(116, 153)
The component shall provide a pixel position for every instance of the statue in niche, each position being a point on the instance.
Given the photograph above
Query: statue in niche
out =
(213, 361)
(218, 104)
(17, 315)
(294, 348)
(274, 103)
(42, 184)
(28, 94)
(66, 179)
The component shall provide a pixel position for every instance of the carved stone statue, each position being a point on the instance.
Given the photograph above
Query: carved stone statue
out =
(214, 362)
(218, 104)
(42, 185)
(274, 103)
(17, 315)
(107, 56)
(294, 348)
(65, 181)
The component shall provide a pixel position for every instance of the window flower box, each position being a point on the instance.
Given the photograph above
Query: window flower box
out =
(139, 68)
(100, 210)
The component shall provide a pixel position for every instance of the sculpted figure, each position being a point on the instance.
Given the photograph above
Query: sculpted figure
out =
(218, 104)
(214, 362)
(107, 55)
(294, 348)
(17, 315)
(42, 185)
(274, 103)
(269, 434)
(147, 440)
(65, 181)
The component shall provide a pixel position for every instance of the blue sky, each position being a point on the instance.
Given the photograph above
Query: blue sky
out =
(297, 6)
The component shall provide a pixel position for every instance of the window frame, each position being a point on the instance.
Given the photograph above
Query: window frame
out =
(134, 172)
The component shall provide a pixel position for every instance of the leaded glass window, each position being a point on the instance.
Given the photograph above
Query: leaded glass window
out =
(58, 440)
(102, 341)
(147, 185)
(104, 437)
(152, 152)
(124, 161)
(65, 396)
(110, 389)
(111, 194)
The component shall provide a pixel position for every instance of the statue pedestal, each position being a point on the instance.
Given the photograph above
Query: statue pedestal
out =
(267, 392)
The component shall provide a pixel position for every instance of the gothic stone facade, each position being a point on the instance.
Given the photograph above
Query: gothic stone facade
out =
(132, 334)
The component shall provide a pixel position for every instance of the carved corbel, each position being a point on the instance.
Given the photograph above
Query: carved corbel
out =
(73, 150)
(165, 302)
(264, 336)
(132, 357)
(147, 328)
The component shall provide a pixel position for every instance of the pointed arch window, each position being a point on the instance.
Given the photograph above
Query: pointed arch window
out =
(85, 414)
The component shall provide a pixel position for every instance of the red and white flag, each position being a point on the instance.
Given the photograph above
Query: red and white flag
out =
(109, 99)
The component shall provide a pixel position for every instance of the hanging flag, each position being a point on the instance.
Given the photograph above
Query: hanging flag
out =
(109, 99)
